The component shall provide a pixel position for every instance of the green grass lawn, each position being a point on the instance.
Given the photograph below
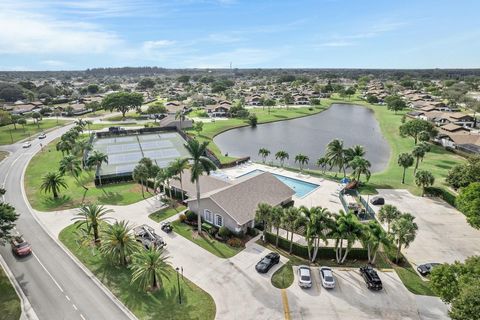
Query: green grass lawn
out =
(99, 126)
(413, 282)
(133, 115)
(10, 308)
(161, 304)
(283, 277)
(163, 214)
(48, 160)
(205, 241)
(30, 130)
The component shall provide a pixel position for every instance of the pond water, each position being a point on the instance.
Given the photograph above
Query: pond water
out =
(309, 135)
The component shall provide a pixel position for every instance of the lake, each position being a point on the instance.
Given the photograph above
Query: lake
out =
(309, 135)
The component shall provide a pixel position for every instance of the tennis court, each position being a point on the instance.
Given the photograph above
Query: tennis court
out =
(125, 152)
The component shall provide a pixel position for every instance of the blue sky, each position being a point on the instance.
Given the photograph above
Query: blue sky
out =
(80, 34)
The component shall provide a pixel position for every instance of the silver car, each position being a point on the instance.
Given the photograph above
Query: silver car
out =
(328, 281)
(304, 277)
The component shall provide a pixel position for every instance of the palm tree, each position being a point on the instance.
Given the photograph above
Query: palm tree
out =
(404, 231)
(348, 229)
(81, 146)
(302, 160)
(96, 158)
(424, 178)
(160, 179)
(373, 237)
(149, 267)
(64, 146)
(355, 151)
(336, 155)
(264, 214)
(290, 222)
(282, 155)
(118, 242)
(180, 114)
(70, 164)
(318, 223)
(264, 153)
(387, 214)
(140, 175)
(405, 160)
(199, 165)
(322, 163)
(92, 215)
(276, 216)
(360, 166)
(178, 166)
(418, 152)
(52, 182)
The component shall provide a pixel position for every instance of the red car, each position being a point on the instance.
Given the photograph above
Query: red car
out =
(20, 247)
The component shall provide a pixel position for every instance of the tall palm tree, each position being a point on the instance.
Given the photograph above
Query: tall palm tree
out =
(178, 166)
(360, 166)
(118, 242)
(276, 220)
(374, 236)
(318, 223)
(405, 160)
(264, 214)
(180, 114)
(52, 182)
(404, 231)
(291, 222)
(352, 152)
(264, 153)
(348, 229)
(322, 162)
(282, 155)
(418, 152)
(140, 175)
(149, 267)
(387, 214)
(64, 146)
(302, 161)
(199, 165)
(91, 216)
(160, 179)
(424, 178)
(70, 164)
(336, 155)
(81, 146)
(96, 158)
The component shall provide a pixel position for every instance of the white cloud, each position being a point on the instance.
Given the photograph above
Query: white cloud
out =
(337, 44)
(157, 44)
(53, 63)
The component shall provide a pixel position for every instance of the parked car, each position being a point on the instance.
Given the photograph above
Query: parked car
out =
(378, 201)
(304, 277)
(42, 135)
(166, 226)
(326, 274)
(147, 237)
(371, 278)
(425, 269)
(20, 246)
(26, 144)
(267, 262)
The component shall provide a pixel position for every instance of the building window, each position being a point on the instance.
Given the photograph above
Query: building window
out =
(218, 220)
(207, 215)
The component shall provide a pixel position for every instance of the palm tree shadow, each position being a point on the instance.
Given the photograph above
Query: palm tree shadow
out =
(51, 202)
(110, 197)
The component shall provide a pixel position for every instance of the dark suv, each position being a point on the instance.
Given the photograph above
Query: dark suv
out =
(267, 262)
(371, 278)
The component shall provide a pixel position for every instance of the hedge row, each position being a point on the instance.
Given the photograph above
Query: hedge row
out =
(323, 252)
(441, 193)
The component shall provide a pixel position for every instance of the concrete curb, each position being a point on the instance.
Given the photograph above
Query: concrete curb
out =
(27, 311)
(95, 280)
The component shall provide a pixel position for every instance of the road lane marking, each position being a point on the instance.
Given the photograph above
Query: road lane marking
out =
(74, 307)
(11, 165)
(286, 308)
(81, 316)
(68, 298)
(49, 274)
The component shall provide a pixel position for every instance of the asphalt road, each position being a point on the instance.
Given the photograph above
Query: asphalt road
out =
(56, 287)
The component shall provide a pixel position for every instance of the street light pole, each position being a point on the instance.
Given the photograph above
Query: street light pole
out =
(179, 291)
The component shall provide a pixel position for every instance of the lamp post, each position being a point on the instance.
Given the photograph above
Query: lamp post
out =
(179, 291)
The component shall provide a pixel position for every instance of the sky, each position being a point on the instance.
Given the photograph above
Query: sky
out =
(81, 34)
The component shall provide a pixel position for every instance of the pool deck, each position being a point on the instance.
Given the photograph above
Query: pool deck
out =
(325, 196)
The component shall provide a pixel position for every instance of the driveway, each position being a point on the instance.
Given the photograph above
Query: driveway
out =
(443, 232)
(351, 299)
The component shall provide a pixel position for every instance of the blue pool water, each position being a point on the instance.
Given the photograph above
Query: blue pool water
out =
(301, 188)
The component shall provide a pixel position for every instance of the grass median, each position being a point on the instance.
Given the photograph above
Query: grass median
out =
(9, 135)
(10, 308)
(166, 213)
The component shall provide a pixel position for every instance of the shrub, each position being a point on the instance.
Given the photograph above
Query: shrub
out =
(207, 227)
(310, 109)
(240, 234)
(191, 216)
(213, 231)
(235, 242)
(224, 232)
(182, 217)
(252, 232)
(441, 193)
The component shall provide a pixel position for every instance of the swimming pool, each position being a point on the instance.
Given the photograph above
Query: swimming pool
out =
(301, 188)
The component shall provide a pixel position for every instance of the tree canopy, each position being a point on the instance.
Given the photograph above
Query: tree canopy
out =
(122, 101)
(468, 201)
(414, 127)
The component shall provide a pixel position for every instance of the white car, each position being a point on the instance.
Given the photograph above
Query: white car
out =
(42, 136)
(304, 277)
(26, 144)
(328, 281)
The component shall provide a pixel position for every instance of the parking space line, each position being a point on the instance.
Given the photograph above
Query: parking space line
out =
(286, 308)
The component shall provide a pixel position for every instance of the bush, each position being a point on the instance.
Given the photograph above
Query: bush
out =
(182, 217)
(235, 242)
(213, 231)
(240, 234)
(441, 193)
(224, 232)
(191, 216)
(252, 232)
(252, 120)
(207, 227)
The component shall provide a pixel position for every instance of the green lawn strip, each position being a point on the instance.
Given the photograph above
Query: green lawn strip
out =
(129, 115)
(3, 155)
(163, 214)
(30, 130)
(283, 277)
(10, 308)
(218, 248)
(162, 304)
(413, 282)
(99, 126)
(48, 160)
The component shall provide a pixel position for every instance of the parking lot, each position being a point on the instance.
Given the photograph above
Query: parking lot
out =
(350, 299)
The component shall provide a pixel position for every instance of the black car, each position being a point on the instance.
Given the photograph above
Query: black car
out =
(167, 227)
(378, 201)
(371, 278)
(267, 262)
(425, 269)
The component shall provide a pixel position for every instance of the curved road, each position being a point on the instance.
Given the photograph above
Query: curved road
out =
(56, 287)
